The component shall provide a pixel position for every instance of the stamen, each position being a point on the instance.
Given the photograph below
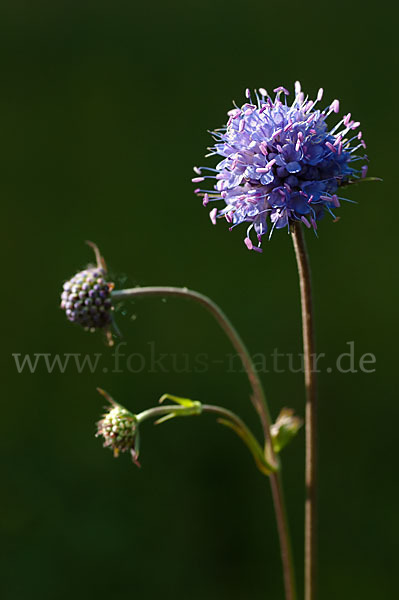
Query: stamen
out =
(267, 167)
(212, 215)
(280, 89)
(346, 119)
(248, 243)
(331, 147)
(276, 133)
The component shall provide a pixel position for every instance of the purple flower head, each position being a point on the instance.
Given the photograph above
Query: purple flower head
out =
(281, 164)
(86, 299)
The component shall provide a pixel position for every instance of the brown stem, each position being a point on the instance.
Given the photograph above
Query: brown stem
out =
(311, 413)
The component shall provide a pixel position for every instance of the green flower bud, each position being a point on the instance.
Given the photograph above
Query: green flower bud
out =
(119, 429)
(285, 428)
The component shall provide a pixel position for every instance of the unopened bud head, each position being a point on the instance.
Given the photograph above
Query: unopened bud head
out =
(86, 299)
(118, 427)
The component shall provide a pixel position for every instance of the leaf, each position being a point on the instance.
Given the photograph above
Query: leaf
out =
(260, 461)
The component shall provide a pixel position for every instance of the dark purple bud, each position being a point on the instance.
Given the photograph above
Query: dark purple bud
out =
(86, 301)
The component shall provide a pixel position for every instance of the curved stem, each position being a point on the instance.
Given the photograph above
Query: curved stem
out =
(259, 401)
(258, 396)
(228, 418)
(311, 413)
(233, 421)
(165, 409)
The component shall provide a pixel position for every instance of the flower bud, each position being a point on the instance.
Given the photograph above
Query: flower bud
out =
(285, 428)
(86, 299)
(118, 427)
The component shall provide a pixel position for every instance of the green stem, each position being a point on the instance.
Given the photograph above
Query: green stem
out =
(259, 401)
(228, 418)
(232, 420)
(311, 413)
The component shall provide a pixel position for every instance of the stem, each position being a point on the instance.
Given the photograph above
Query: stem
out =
(311, 413)
(258, 397)
(228, 418)
(259, 401)
(165, 409)
(159, 411)
(232, 420)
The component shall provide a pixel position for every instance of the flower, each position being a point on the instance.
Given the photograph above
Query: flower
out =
(86, 299)
(281, 163)
(118, 427)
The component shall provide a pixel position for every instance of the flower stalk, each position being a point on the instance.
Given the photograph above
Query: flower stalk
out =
(226, 417)
(311, 412)
(259, 401)
(258, 396)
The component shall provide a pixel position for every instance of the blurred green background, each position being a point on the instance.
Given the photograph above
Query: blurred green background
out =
(104, 108)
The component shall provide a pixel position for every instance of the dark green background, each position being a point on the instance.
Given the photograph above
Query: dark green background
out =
(104, 108)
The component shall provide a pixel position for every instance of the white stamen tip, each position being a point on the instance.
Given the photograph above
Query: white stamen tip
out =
(248, 243)
(212, 215)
